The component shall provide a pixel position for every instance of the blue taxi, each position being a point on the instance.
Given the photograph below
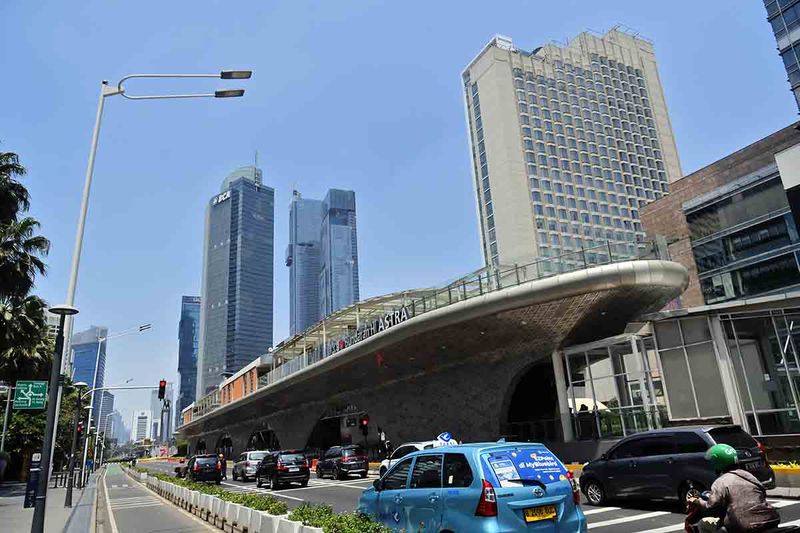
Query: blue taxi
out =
(486, 487)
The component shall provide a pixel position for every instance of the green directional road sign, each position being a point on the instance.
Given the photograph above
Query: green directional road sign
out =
(30, 394)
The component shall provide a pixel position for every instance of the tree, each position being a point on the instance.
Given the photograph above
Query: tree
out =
(20, 251)
(13, 195)
(25, 349)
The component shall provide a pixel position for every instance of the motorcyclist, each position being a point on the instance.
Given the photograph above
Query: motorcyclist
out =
(738, 494)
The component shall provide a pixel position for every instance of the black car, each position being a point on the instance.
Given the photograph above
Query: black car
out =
(281, 467)
(340, 462)
(666, 463)
(204, 468)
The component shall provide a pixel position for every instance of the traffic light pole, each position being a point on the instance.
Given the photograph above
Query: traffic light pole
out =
(91, 392)
(9, 390)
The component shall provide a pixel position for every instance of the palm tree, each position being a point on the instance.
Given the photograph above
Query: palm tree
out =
(20, 249)
(13, 195)
(25, 349)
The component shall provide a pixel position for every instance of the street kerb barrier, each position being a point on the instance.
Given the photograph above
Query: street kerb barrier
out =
(227, 516)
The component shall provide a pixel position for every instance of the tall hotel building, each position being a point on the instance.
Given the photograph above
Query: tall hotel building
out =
(568, 142)
(188, 345)
(237, 292)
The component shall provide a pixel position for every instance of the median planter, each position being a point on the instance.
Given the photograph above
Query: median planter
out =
(288, 526)
(231, 514)
(270, 523)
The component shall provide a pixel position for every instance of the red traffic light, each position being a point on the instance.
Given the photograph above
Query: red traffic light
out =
(162, 389)
(364, 422)
(80, 428)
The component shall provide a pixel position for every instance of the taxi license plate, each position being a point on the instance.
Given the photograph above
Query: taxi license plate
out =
(534, 514)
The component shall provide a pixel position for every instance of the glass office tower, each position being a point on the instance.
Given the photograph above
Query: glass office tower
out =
(784, 16)
(338, 277)
(84, 346)
(568, 142)
(188, 344)
(236, 310)
(303, 260)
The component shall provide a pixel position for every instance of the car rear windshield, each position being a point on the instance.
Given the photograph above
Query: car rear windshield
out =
(257, 456)
(292, 457)
(534, 464)
(735, 437)
(347, 452)
(205, 461)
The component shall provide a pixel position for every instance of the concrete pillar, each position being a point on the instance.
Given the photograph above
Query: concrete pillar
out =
(561, 392)
(726, 373)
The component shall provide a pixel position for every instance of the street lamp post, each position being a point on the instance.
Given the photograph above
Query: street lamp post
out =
(100, 341)
(107, 90)
(71, 467)
(37, 524)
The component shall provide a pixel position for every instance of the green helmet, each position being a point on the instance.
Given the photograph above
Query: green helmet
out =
(722, 456)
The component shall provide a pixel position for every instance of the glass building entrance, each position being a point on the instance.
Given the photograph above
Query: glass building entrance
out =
(764, 350)
(614, 387)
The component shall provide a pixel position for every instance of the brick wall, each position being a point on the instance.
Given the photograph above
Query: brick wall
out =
(665, 217)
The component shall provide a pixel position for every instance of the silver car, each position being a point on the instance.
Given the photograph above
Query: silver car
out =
(245, 467)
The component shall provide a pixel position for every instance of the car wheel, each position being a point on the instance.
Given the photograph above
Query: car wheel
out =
(595, 493)
(304, 483)
(319, 473)
(688, 488)
(338, 474)
(258, 481)
(363, 475)
(273, 484)
(234, 474)
(218, 482)
(382, 471)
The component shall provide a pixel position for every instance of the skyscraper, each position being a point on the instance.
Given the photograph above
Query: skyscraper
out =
(140, 425)
(188, 343)
(85, 345)
(785, 20)
(568, 141)
(236, 310)
(302, 258)
(105, 408)
(338, 277)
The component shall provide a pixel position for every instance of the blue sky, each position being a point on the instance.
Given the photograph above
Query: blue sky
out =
(351, 94)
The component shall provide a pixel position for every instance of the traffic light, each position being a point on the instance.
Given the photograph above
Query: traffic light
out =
(162, 388)
(363, 423)
(80, 428)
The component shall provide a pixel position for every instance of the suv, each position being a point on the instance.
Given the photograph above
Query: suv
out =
(666, 463)
(477, 487)
(402, 451)
(278, 468)
(245, 466)
(343, 461)
(204, 468)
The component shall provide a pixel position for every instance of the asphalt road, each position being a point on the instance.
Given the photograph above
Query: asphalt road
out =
(126, 506)
(624, 517)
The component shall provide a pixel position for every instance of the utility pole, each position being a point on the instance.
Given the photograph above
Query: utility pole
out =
(9, 388)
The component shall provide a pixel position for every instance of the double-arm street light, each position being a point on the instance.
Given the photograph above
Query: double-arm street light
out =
(107, 90)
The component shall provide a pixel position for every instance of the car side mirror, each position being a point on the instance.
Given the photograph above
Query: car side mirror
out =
(377, 485)
(604, 457)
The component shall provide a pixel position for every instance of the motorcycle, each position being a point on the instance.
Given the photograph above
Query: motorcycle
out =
(696, 513)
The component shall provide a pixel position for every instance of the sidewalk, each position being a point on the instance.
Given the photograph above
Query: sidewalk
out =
(17, 519)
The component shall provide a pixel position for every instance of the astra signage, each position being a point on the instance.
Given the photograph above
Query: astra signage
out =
(368, 329)
(221, 198)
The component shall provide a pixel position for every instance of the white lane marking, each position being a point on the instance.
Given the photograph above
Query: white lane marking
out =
(111, 520)
(600, 510)
(262, 491)
(679, 527)
(628, 519)
(136, 505)
(792, 523)
(777, 504)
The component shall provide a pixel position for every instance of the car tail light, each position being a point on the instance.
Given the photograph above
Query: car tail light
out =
(218, 466)
(281, 466)
(196, 468)
(762, 449)
(305, 463)
(487, 505)
(576, 494)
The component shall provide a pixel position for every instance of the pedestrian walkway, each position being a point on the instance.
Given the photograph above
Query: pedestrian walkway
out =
(17, 519)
